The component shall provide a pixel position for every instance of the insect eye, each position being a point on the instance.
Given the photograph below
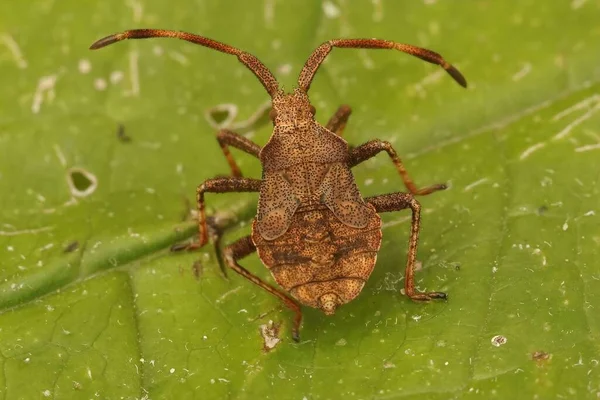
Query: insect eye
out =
(273, 114)
(313, 110)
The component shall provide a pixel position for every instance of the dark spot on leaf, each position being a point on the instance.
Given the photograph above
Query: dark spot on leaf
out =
(121, 135)
(540, 356)
(197, 269)
(179, 246)
(542, 210)
(71, 247)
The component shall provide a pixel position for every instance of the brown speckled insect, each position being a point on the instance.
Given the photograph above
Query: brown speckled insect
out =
(313, 230)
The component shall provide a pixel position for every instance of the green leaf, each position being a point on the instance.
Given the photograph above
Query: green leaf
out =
(100, 151)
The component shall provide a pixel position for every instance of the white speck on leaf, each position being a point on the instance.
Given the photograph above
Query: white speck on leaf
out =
(523, 72)
(331, 10)
(116, 77)
(84, 66)
(474, 184)
(285, 69)
(179, 58)
(134, 74)
(270, 332)
(528, 151)
(499, 340)
(14, 49)
(100, 84)
(576, 4)
(45, 87)
(269, 12)
(137, 8)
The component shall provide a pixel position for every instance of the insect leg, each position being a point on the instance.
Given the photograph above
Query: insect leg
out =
(240, 249)
(228, 138)
(396, 202)
(374, 147)
(216, 185)
(337, 122)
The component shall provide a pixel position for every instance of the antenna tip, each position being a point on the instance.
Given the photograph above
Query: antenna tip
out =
(105, 41)
(456, 75)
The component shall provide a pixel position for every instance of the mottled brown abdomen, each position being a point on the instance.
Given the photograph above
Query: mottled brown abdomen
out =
(319, 260)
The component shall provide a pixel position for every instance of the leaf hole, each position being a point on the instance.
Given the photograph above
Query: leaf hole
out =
(221, 115)
(81, 182)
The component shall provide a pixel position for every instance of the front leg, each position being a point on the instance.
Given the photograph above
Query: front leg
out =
(228, 138)
(374, 147)
(218, 185)
(396, 202)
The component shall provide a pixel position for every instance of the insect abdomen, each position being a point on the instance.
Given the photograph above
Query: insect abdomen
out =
(319, 255)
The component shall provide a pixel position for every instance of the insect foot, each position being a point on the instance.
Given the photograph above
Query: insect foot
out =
(313, 230)
(428, 296)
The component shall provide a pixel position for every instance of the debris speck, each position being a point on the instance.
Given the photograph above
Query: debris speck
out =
(47, 393)
(116, 77)
(14, 49)
(172, 370)
(270, 332)
(499, 340)
(565, 226)
(100, 84)
(285, 69)
(85, 66)
(45, 87)
(330, 10)
(389, 364)
(341, 342)
(524, 71)
(71, 247)
(540, 356)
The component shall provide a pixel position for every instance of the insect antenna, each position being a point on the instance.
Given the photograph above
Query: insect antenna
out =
(263, 74)
(316, 58)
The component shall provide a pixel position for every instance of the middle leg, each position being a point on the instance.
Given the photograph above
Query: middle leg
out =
(374, 147)
(396, 202)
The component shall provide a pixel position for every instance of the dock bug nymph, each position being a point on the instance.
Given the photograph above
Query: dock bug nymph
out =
(313, 230)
